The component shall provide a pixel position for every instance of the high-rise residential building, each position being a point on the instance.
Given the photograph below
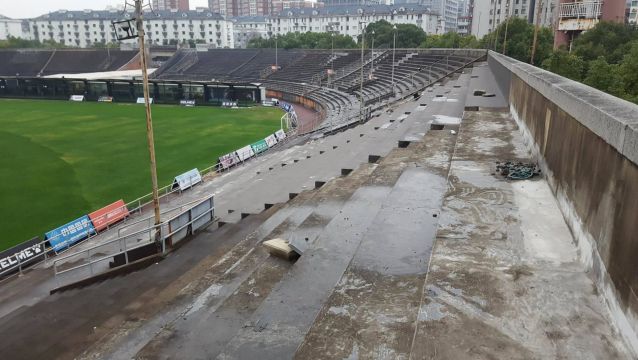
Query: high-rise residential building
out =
(632, 16)
(281, 5)
(486, 15)
(180, 5)
(233, 8)
(464, 20)
(574, 17)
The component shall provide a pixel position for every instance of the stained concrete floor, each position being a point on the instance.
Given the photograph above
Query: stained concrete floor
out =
(423, 254)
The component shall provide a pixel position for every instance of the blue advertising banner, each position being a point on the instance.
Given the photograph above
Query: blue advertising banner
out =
(286, 107)
(69, 234)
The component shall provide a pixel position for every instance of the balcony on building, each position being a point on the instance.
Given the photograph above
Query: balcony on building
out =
(579, 15)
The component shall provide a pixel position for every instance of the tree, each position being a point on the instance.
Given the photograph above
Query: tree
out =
(19, 43)
(607, 39)
(308, 40)
(520, 35)
(565, 64)
(450, 40)
(629, 72)
(408, 35)
(605, 77)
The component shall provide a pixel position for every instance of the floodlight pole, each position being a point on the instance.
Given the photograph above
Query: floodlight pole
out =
(394, 49)
(363, 42)
(372, 55)
(149, 120)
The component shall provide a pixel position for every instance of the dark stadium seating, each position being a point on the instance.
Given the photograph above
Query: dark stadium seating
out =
(307, 68)
(23, 62)
(87, 61)
(301, 72)
(62, 61)
(261, 66)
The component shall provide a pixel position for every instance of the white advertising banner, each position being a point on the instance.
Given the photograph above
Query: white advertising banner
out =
(271, 140)
(140, 100)
(228, 160)
(280, 134)
(187, 179)
(245, 153)
(76, 98)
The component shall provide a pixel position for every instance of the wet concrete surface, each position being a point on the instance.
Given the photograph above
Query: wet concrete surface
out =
(504, 280)
(424, 254)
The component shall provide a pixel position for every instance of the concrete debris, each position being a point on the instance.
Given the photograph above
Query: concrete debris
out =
(281, 248)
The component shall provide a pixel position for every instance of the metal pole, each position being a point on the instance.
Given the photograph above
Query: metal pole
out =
(536, 26)
(372, 55)
(507, 22)
(147, 105)
(332, 63)
(276, 54)
(394, 48)
(363, 41)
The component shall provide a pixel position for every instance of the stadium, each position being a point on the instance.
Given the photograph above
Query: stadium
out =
(338, 204)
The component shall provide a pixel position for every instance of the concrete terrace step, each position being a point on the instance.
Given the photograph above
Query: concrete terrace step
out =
(206, 330)
(283, 318)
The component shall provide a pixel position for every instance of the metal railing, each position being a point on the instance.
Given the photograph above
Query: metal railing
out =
(97, 259)
(584, 9)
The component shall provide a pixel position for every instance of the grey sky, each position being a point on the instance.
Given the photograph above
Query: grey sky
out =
(18, 9)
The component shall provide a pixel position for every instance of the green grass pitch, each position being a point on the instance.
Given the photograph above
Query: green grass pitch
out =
(60, 160)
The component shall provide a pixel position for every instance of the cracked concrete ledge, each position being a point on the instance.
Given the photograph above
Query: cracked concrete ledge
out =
(505, 280)
(586, 244)
(613, 119)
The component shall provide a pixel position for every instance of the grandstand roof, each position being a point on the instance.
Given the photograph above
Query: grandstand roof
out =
(62, 15)
(356, 10)
(4, 17)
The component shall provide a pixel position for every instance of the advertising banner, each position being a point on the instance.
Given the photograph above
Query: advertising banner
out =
(76, 98)
(228, 160)
(108, 215)
(23, 254)
(187, 102)
(271, 140)
(245, 153)
(280, 134)
(108, 99)
(140, 100)
(187, 179)
(285, 106)
(259, 147)
(68, 234)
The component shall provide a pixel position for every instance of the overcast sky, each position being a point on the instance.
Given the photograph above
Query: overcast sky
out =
(18, 9)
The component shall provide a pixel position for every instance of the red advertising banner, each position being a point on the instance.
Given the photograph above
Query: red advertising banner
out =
(108, 215)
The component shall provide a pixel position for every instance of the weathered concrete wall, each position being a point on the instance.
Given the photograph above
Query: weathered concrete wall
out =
(587, 144)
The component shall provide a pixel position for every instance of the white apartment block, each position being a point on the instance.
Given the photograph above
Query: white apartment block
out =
(246, 28)
(15, 28)
(347, 19)
(90, 27)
